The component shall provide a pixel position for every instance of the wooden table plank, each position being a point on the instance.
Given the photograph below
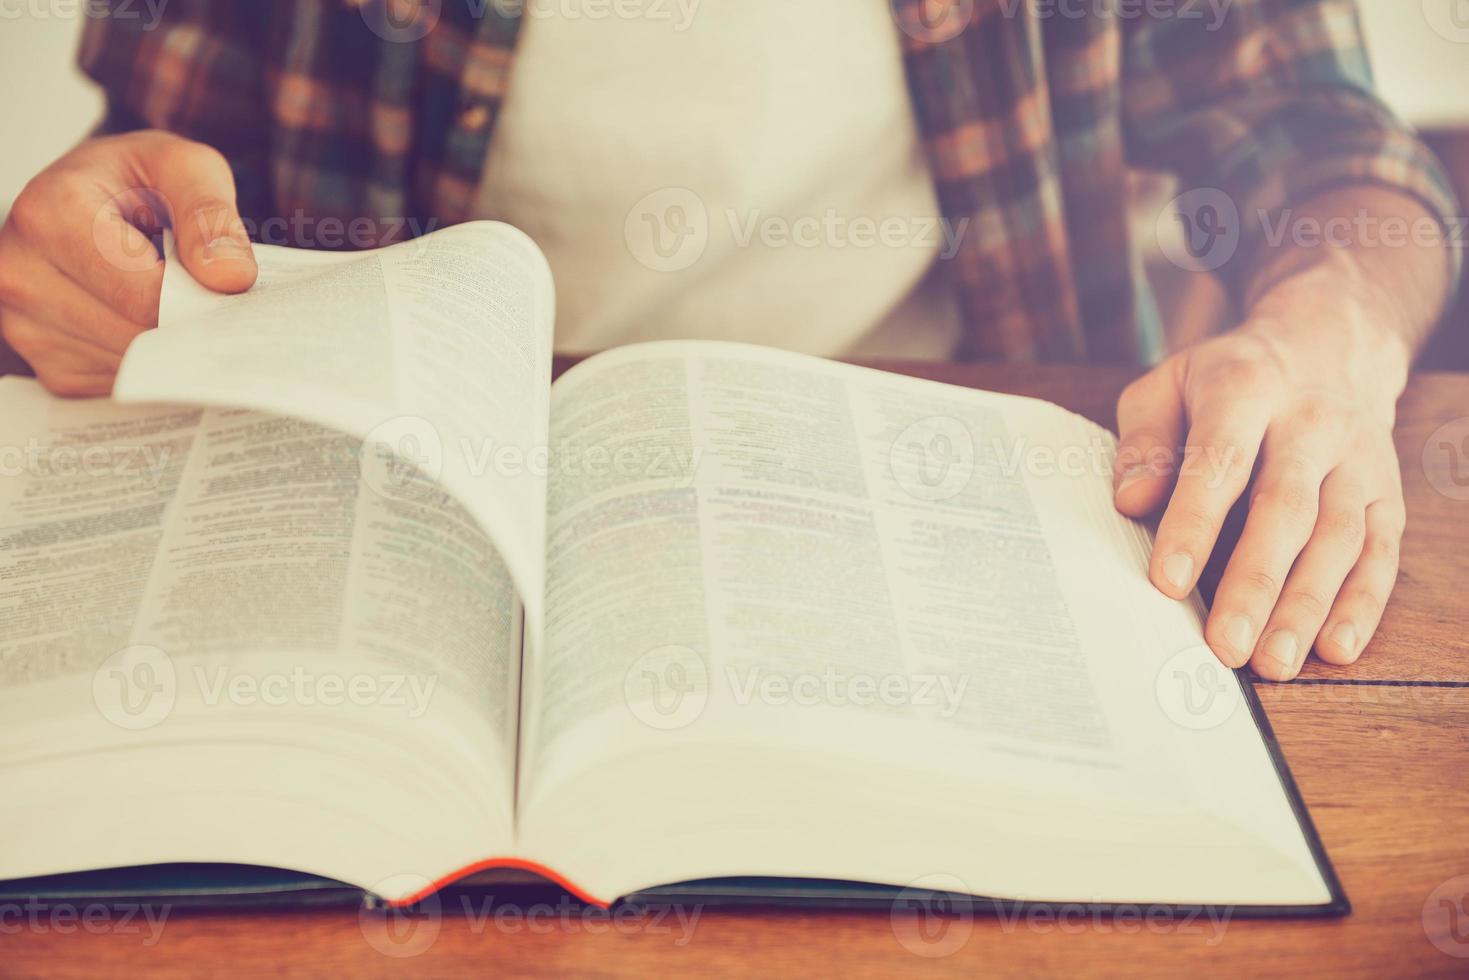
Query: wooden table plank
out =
(1424, 634)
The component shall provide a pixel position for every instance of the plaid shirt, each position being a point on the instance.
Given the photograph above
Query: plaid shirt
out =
(1032, 113)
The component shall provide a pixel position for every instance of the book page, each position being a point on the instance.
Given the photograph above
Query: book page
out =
(811, 619)
(436, 351)
(212, 622)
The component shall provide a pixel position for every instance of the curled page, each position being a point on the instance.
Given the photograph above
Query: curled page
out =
(436, 353)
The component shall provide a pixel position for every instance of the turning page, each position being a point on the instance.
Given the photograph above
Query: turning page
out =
(300, 646)
(436, 351)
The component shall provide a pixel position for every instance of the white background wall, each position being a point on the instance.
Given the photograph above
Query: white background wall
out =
(1420, 49)
(45, 103)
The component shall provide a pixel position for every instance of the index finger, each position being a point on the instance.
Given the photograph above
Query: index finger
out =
(1218, 459)
(99, 241)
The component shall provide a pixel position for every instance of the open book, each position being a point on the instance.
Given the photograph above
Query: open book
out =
(339, 582)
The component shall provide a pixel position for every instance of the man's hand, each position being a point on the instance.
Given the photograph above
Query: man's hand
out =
(79, 276)
(1302, 398)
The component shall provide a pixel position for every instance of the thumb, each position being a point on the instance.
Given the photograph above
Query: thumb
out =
(1150, 419)
(199, 186)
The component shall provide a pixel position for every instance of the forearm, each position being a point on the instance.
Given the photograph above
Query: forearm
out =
(1377, 248)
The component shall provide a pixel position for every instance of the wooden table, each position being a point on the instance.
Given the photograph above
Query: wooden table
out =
(1380, 750)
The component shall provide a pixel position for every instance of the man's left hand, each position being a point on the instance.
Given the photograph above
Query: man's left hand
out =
(1301, 398)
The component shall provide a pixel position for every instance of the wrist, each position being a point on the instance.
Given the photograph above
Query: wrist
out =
(1332, 315)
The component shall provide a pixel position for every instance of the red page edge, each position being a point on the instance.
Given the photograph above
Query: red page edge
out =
(520, 864)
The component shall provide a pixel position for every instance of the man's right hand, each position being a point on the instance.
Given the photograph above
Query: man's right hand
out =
(79, 276)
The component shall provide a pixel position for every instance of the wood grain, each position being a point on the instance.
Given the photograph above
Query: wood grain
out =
(1381, 765)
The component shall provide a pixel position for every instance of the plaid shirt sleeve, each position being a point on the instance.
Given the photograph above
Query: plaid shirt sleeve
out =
(1265, 105)
(195, 72)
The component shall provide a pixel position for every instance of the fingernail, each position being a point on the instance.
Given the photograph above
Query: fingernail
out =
(1239, 634)
(226, 250)
(1345, 636)
(1283, 647)
(1179, 570)
(1132, 475)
